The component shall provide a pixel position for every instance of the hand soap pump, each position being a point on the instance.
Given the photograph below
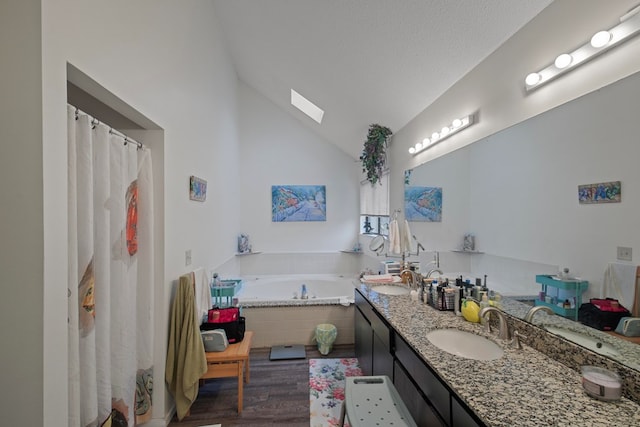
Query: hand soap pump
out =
(484, 302)
(458, 298)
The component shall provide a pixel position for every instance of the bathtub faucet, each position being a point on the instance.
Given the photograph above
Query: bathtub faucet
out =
(303, 292)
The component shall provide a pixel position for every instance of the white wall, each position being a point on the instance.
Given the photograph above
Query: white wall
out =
(166, 60)
(21, 238)
(277, 150)
(495, 88)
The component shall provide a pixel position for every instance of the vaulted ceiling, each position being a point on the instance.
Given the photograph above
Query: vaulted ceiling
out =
(364, 61)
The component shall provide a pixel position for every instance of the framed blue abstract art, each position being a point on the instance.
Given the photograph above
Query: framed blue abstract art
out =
(423, 204)
(298, 203)
(602, 192)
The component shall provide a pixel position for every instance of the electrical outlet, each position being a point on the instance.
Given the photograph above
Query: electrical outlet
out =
(187, 257)
(624, 254)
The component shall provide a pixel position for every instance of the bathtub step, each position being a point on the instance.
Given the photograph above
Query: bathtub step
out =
(284, 352)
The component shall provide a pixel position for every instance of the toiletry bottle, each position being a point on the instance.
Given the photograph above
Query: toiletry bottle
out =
(426, 293)
(497, 300)
(484, 302)
(215, 280)
(303, 293)
(457, 299)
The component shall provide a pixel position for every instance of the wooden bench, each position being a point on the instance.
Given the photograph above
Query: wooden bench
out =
(233, 362)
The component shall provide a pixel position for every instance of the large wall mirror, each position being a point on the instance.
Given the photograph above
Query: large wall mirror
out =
(517, 191)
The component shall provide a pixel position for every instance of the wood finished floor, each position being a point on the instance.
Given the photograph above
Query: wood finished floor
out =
(277, 394)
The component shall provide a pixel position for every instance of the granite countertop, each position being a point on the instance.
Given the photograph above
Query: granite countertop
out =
(522, 388)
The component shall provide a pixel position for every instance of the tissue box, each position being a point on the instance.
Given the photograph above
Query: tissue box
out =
(629, 327)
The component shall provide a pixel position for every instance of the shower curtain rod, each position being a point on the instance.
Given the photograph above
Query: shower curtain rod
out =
(95, 122)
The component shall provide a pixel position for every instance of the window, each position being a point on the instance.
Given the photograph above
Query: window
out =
(374, 206)
(370, 224)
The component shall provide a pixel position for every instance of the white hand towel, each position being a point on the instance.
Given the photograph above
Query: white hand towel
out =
(620, 283)
(203, 293)
(394, 237)
(378, 278)
(407, 240)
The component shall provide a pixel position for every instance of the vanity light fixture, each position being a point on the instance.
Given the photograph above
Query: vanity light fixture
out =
(601, 41)
(456, 126)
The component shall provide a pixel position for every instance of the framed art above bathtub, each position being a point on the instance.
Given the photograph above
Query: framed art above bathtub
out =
(298, 203)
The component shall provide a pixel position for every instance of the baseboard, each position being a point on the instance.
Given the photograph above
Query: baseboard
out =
(158, 422)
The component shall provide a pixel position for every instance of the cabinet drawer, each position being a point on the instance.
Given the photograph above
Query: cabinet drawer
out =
(382, 330)
(379, 326)
(419, 407)
(363, 305)
(436, 392)
(461, 416)
(364, 343)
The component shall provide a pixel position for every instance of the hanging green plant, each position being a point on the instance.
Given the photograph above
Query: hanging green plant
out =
(374, 156)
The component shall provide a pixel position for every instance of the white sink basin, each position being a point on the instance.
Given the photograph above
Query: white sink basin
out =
(391, 290)
(465, 344)
(586, 341)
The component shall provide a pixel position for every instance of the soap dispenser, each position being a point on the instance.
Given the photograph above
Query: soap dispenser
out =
(484, 302)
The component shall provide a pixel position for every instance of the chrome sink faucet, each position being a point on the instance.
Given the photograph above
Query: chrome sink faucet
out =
(533, 310)
(416, 278)
(503, 332)
(433, 270)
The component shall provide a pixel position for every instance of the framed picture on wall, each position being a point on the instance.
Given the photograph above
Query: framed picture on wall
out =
(423, 203)
(197, 189)
(298, 203)
(603, 192)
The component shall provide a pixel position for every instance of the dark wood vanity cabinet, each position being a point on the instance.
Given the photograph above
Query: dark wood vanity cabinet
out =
(364, 342)
(381, 351)
(436, 396)
(374, 340)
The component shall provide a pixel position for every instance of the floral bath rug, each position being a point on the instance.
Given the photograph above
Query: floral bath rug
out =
(326, 388)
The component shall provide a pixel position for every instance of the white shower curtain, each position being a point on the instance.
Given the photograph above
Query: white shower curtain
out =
(110, 276)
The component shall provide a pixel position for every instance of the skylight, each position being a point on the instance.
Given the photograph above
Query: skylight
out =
(306, 106)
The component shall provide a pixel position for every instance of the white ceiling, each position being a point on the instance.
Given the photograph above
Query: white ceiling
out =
(364, 61)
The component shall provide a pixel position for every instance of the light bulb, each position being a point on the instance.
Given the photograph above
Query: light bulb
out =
(412, 150)
(435, 136)
(425, 142)
(457, 123)
(563, 61)
(533, 79)
(445, 131)
(418, 146)
(600, 39)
